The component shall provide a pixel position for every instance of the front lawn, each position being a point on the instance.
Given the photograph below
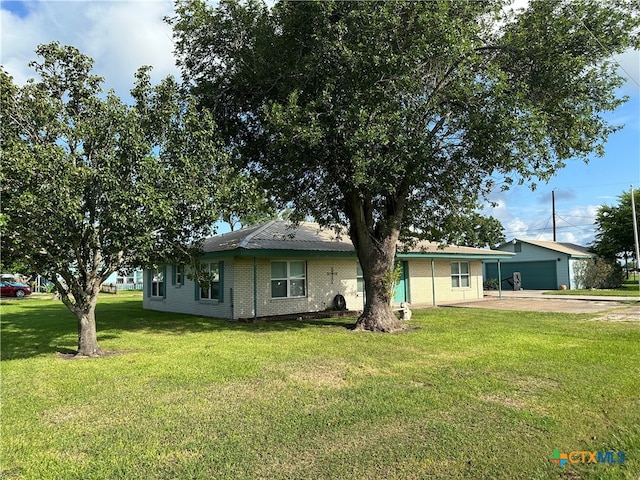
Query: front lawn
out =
(628, 289)
(468, 393)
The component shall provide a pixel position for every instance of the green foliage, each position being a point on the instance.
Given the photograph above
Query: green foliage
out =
(491, 284)
(90, 185)
(397, 117)
(404, 108)
(473, 230)
(599, 273)
(614, 234)
(244, 202)
(391, 279)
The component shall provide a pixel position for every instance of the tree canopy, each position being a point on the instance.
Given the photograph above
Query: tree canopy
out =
(395, 117)
(91, 186)
(614, 228)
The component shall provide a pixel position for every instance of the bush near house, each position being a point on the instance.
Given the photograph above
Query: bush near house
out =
(490, 284)
(599, 273)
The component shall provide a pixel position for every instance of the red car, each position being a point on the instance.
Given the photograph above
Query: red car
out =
(11, 289)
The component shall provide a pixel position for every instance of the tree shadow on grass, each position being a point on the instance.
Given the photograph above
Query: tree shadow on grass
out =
(33, 328)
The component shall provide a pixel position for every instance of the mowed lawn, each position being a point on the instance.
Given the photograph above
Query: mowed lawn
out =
(465, 394)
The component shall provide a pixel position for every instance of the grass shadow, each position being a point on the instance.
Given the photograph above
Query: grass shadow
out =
(35, 327)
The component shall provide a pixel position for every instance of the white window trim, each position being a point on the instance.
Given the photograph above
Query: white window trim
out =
(157, 279)
(179, 275)
(288, 280)
(360, 276)
(461, 275)
(208, 299)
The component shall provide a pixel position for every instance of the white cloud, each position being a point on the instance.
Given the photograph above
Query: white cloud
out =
(531, 221)
(517, 228)
(629, 68)
(119, 36)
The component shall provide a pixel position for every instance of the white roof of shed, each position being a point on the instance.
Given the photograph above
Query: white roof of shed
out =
(562, 247)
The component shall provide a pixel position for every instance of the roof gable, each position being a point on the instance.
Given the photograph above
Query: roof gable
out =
(567, 248)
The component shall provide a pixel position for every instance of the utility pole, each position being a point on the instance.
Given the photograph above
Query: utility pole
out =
(635, 232)
(553, 212)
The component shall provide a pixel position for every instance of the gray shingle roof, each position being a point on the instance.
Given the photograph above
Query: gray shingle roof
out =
(310, 237)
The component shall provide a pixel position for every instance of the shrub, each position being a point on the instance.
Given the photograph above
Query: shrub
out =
(599, 273)
(490, 284)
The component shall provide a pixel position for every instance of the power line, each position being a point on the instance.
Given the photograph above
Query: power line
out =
(605, 49)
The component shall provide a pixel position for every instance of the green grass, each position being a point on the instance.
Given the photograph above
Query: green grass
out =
(628, 289)
(620, 292)
(467, 393)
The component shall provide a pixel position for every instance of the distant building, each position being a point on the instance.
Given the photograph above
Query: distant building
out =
(132, 281)
(542, 265)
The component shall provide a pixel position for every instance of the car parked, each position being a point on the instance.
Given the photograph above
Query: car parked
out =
(13, 289)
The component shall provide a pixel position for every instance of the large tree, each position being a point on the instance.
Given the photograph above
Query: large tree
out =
(91, 186)
(392, 118)
(475, 230)
(614, 228)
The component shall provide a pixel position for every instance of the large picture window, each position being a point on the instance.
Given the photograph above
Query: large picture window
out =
(288, 279)
(460, 277)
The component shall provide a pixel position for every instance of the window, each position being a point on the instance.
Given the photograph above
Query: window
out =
(460, 275)
(359, 279)
(157, 282)
(178, 275)
(211, 290)
(288, 279)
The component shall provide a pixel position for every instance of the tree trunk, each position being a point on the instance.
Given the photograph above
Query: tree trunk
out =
(376, 250)
(87, 336)
(82, 303)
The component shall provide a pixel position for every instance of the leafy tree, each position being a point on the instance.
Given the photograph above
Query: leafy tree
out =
(614, 232)
(91, 186)
(473, 230)
(396, 117)
(245, 203)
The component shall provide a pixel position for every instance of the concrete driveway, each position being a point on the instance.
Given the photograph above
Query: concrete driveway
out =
(611, 308)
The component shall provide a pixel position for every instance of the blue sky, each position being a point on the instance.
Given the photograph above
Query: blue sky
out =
(123, 35)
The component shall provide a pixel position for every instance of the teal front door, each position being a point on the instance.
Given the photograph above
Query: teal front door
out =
(402, 287)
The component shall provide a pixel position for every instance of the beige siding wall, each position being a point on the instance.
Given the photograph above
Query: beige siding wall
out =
(421, 283)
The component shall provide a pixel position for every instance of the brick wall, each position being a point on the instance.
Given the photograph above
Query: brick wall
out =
(322, 287)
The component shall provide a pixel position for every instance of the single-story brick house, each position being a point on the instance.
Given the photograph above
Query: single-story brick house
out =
(277, 269)
(543, 265)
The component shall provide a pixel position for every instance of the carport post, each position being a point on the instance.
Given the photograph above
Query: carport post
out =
(433, 281)
(499, 281)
